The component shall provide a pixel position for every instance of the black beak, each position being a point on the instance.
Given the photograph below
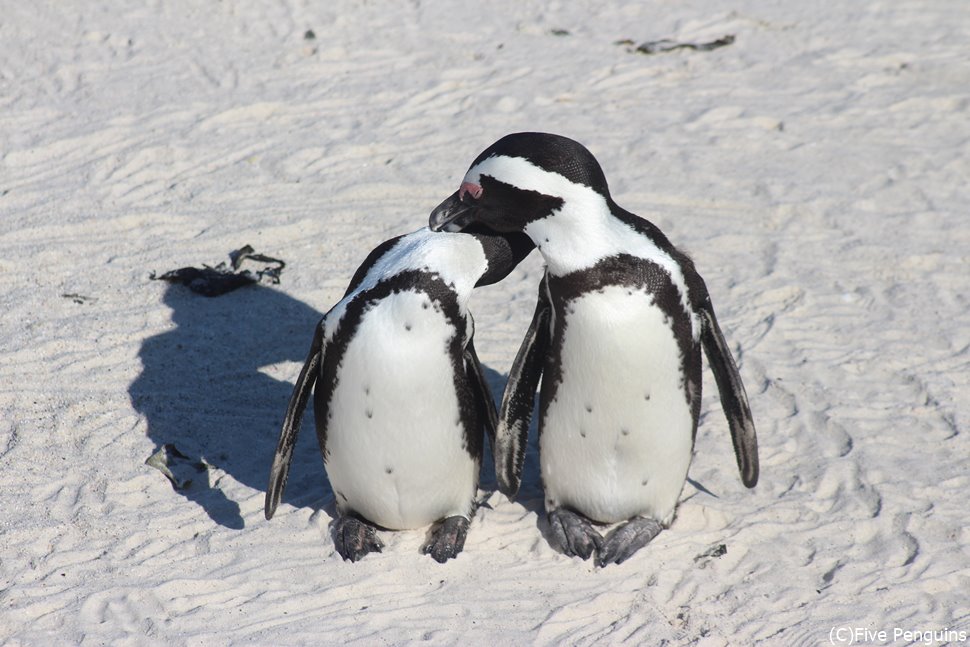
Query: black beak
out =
(451, 215)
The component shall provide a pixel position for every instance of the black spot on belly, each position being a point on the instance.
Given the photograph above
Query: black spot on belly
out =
(646, 396)
(388, 470)
(625, 432)
(370, 413)
(582, 432)
(407, 326)
(589, 408)
(644, 481)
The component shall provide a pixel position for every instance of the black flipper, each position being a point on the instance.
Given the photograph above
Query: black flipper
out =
(734, 401)
(291, 423)
(512, 433)
(483, 395)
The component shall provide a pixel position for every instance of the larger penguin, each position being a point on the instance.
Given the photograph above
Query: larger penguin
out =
(616, 338)
(400, 399)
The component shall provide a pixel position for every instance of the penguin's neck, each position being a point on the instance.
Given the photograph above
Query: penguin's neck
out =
(458, 260)
(579, 235)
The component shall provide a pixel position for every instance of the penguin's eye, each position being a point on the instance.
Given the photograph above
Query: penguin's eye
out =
(469, 192)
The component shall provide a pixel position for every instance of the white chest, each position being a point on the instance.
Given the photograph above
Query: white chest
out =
(616, 439)
(395, 435)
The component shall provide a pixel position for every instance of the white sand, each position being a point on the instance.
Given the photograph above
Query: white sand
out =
(818, 169)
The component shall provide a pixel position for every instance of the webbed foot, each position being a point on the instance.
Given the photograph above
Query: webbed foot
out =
(353, 537)
(572, 534)
(446, 539)
(626, 540)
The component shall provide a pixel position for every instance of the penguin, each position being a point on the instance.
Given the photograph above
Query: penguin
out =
(399, 395)
(620, 322)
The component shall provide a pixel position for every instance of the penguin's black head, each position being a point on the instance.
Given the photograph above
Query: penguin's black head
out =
(519, 179)
(502, 251)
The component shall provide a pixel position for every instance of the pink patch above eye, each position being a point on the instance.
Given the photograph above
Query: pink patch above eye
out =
(468, 187)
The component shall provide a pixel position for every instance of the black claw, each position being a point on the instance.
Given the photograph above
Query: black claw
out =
(572, 534)
(446, 539)
(353, 538)
(626, 540)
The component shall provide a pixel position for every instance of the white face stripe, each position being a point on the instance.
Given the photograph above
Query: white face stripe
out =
(523, 174)
(584, 231)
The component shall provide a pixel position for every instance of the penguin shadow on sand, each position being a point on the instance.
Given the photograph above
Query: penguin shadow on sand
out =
(204, 389)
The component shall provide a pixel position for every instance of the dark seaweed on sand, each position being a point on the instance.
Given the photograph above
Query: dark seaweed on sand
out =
(215, 281)
(666, 45)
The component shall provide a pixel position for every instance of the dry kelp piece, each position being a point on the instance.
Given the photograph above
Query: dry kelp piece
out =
(214, 281)
(176, 466)
(667, 45)
(715, 551)
(79, 298)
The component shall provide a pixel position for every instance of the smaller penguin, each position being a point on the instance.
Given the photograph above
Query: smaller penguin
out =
(400, 399)
(620, 321)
